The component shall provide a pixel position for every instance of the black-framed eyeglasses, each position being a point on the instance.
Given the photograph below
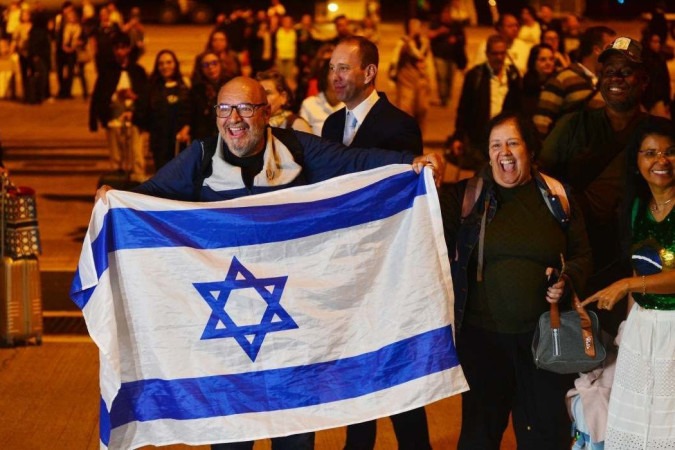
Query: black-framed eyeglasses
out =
(245, 110)
(653, 154)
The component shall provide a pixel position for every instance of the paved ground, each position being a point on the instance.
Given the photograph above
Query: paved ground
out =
(49, 394)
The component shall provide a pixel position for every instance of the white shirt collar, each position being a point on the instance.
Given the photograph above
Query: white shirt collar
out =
(363, 108)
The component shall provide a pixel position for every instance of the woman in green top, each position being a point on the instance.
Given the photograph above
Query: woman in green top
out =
(642, 402)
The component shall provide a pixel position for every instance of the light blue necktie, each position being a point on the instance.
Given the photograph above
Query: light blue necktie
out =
(350, 129)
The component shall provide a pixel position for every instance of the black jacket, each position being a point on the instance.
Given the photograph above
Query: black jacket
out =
(106, 84)
(473, 112)
(385, 127)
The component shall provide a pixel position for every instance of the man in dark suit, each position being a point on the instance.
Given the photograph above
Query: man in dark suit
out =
(489, 88)
(353, 69)
(370, 120)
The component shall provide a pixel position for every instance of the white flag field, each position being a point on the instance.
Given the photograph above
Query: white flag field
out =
(298, 310)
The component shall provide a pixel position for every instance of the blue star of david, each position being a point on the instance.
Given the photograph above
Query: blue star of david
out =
(269, 289)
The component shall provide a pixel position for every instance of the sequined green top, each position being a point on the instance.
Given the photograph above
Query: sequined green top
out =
(653, 252)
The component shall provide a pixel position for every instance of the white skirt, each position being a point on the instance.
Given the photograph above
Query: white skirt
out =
(642, 402)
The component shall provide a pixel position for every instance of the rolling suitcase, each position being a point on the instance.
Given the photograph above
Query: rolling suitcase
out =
(20, 293)
(21, 300)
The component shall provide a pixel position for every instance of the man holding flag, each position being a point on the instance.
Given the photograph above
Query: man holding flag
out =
(248, 157)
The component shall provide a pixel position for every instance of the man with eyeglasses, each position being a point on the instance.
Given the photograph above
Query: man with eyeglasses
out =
(587, 150)
(249, 157)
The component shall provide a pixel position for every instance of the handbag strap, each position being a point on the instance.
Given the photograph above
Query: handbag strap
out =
(555, 316)
(585, 320)
(586, 326)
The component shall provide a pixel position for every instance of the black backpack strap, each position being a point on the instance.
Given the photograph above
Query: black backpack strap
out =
(206, 165)
(288, 137)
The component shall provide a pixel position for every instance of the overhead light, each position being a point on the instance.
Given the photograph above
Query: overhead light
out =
(333, 7)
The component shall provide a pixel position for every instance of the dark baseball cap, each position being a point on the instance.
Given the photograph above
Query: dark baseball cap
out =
(629, 48)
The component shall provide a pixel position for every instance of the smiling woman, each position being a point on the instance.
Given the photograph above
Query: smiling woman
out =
(507, 232)
(636, 408)
(510, 159)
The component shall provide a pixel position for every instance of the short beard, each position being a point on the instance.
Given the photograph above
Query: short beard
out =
(248, 148)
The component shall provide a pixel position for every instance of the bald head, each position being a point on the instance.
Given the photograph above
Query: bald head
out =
(245, 89)
(244, 136)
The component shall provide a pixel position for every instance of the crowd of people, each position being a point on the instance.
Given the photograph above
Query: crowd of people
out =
(542, 98)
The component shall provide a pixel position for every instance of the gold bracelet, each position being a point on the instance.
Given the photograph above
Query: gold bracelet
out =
(644, 285)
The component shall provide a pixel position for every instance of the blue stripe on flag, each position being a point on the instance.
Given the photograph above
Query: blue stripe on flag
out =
(286, 388)
(104, 424)
(125, 228)
(203, 228)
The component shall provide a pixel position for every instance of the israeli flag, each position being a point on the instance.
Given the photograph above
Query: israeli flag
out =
(298, 310)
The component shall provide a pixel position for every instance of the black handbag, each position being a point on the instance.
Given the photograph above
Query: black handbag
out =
(568, 342)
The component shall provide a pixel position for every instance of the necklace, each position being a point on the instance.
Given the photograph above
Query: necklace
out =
(656, 207)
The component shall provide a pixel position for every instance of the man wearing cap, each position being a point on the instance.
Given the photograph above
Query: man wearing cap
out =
(574, 87)
(587, 149)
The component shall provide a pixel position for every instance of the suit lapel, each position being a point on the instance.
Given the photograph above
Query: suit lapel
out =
(370, 117)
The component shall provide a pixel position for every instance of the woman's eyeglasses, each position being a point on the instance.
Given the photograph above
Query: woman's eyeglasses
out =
(653, 154)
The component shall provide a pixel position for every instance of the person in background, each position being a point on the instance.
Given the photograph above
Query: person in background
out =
(101, 41)
(517, 51)
(66, 33)
(276, 9)
(71, 38)
(206, 81)
(118, 91)
(574, 88)
(369, 30)
(115, 14)
(656, 98)
(321, 59)
(530, 29)
(20, 46)
(316, 108)
(134, 28)
(642, 399)
(588, 149)
(540, 67)
(342, 29)
(261, 44)
(165, 111)
(448, 47)
(547, 21)
(286, 45)
(307, 46)
(489, 88)
(506, 260)
(411, 73)
(571, 35)
(39, 56)
(280, 97)
(229, 62)
(552, 38)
